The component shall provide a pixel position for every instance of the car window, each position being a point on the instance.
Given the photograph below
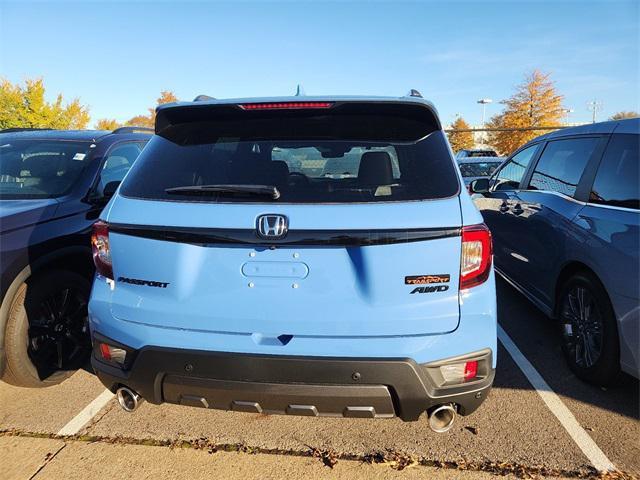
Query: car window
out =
(561, 165)
(118, 162)
(478, 169)
(510, 175)
(616, 182)
(303, 170)
(40, 168)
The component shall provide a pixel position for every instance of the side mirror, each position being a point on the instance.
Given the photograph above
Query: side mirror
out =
(110, 189)
(481, 185)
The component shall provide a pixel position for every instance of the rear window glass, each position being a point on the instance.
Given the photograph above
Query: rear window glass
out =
(480, 169)
(302, 170)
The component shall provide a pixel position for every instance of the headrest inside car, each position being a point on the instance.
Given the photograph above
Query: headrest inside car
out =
(375, 169)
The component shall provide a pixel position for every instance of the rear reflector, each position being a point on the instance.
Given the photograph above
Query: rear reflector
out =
(470, 370)
(105, 352)
(113, 354)
(475, 261)
(284, 105)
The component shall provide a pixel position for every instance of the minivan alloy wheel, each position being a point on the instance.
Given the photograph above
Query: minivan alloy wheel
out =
(582, 326)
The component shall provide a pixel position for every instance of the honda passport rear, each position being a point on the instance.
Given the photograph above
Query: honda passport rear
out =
(304, 256)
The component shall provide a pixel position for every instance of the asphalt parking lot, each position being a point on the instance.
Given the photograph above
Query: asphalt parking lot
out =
(515, 432)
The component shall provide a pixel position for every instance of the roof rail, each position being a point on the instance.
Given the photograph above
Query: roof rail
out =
(203, 98)
(22, 129)
(134, 130)
(413, 93)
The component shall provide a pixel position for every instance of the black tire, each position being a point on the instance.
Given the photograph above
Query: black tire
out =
(589, 330)
(47, 336)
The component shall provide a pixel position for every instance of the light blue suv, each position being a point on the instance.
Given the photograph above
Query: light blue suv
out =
(232, 273)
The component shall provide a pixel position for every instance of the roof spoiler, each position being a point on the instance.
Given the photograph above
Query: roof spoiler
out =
(389, 119)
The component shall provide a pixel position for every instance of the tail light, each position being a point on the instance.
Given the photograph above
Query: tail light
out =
(475, 261)
(284, 105)
(100, 249)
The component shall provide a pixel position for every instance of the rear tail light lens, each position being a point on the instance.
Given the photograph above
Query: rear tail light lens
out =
(459, 372)
(284, 105)
(100, 249)
(475, 261)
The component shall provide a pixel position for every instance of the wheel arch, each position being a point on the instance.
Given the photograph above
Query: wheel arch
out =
(73, 258)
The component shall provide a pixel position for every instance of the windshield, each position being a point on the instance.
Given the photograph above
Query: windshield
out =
(478, 169)
(303, 171)
(40, 168)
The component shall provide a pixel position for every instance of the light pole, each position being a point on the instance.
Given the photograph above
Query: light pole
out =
(594, 106)
(566, 112)
(484, 102)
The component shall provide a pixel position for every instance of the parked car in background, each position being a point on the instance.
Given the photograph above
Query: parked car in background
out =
(564, 214)
(473, 168)
(53, 185)
(476, 152)
(301, 257)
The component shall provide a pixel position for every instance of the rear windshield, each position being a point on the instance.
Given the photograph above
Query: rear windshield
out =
(481, 153)
(302, 170)
(478, 169)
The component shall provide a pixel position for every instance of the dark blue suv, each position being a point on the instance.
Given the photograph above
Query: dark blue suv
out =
(564, 212)
(53, 186)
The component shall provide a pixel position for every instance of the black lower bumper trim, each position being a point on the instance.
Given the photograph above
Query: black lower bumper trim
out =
(314, 386)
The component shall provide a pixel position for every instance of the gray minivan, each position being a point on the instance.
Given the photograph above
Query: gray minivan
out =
(564, 214)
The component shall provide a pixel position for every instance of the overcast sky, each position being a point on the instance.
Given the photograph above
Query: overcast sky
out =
(117, 56)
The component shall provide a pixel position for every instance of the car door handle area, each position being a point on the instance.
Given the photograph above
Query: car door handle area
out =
(517, 209)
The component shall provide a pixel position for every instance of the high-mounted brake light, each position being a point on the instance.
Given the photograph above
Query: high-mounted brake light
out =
(284, 105)
(475, 261)
(100, 249)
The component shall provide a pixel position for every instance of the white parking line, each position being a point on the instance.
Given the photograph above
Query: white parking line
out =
(596, 456)
(87, 413)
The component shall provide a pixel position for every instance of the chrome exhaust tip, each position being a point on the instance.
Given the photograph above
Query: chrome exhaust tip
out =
(441, 418)
(128, 399)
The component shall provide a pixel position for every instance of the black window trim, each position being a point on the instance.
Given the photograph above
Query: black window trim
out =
(583, 188)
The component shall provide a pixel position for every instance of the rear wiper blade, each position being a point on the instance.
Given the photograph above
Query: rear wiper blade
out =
(266, 190)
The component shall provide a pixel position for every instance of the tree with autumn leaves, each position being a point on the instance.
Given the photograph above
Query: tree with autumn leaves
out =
(536, 103)
(460, 136)
(26, 107)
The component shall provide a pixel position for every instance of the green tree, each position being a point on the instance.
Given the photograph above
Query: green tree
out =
(535, 103)
(107, 124)
(460, 140)
(26, 106)
(166, 96)
(624, 114)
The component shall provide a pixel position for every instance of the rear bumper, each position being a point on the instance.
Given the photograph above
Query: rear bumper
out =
(313, 386)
